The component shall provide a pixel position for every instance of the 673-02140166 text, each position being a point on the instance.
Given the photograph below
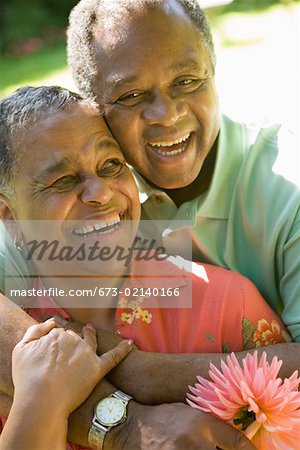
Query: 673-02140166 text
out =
(98, 291)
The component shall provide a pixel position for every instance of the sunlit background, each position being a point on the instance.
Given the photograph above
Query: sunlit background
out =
(257, 43)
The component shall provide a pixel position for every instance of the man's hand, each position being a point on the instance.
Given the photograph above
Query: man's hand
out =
(173, 427)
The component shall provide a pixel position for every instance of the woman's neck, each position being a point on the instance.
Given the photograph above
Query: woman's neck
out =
(81, 302)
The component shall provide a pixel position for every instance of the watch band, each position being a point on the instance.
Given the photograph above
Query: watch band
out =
(98, 431)
(96, 436)
(122, 396)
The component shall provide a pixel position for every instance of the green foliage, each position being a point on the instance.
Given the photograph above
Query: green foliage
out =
(31, 24)
(33, 68)
(250, 5)
(21, 21)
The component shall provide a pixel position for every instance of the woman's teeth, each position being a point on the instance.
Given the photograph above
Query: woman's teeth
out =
(106, 226)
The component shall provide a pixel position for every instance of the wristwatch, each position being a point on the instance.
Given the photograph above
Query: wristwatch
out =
(108, 413)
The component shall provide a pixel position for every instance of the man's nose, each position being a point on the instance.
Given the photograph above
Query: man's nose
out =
(95, 190)
(164, 110)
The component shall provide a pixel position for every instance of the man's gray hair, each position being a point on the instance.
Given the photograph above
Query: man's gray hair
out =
(87, 14)
(18, 112)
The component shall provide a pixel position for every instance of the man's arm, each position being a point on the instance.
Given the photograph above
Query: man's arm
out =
(157, 369)
(144, 375)
(13, 324)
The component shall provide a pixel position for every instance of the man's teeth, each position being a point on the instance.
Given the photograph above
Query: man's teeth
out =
(102, 227)
(173, 153)
(170, 144)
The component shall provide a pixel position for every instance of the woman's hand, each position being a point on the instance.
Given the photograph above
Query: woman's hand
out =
(61, 368)
(54, 371)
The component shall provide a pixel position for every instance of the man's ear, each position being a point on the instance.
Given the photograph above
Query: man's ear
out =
(6, 210)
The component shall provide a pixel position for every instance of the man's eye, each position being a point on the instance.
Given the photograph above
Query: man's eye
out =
(131, 99)
(189, 84)
(111, 168)
(185, 82)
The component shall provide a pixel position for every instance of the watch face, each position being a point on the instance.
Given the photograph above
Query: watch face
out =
(110, 411)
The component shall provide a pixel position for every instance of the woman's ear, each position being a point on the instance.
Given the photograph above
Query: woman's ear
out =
(8, 217)
(6, 210)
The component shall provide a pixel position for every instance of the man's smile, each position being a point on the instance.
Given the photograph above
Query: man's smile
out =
(170, 147)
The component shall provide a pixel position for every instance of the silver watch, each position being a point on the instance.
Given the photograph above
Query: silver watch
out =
(108, 413)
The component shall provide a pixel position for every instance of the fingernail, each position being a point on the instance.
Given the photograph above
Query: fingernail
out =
(89, 326)
(130, 341)
(50, 319)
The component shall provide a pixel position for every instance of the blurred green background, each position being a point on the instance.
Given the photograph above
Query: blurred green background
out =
(257, 43)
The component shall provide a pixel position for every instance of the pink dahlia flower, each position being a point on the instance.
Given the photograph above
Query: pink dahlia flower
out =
(254, 400)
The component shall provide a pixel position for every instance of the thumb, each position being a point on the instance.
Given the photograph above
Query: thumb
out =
(226, 437)
(112, 358)
(37, 331)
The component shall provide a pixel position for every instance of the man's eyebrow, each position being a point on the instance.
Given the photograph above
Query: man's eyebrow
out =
(189, 64)
(116, 81)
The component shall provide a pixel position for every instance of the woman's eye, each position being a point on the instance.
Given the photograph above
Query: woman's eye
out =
(111, 168)
(130, 99)
(64, 183)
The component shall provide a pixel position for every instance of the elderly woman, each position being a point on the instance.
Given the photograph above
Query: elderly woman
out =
(60, 164)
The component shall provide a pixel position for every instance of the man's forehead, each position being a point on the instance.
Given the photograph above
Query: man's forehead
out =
(114, 10)
(118, 18)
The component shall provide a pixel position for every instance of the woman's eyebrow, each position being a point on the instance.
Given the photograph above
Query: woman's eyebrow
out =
(107, 143)
(56, 168)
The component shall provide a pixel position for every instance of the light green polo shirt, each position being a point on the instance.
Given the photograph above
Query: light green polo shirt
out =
(249, 219)
(12, 262)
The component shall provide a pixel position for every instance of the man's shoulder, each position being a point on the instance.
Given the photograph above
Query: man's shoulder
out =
(269, 155)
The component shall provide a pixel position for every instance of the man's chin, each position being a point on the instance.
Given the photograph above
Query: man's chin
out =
(173, 182)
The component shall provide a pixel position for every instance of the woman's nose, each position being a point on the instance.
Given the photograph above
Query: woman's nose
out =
(95, 190)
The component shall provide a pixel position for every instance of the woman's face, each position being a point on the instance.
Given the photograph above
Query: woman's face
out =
(72, 172)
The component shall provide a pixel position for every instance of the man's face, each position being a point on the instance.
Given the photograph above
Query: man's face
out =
(72, 172)
(157, 90)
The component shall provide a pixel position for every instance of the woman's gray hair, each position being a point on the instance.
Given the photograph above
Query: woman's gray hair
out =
(87, 14)
(18, 112)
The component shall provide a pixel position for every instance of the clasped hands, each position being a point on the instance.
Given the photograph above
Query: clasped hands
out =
(64, 369)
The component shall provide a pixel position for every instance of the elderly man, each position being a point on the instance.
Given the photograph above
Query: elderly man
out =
(150, 66)
(151, 69)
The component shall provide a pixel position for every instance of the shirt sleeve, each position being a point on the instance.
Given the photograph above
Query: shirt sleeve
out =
(290, 281)
(14, 269)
